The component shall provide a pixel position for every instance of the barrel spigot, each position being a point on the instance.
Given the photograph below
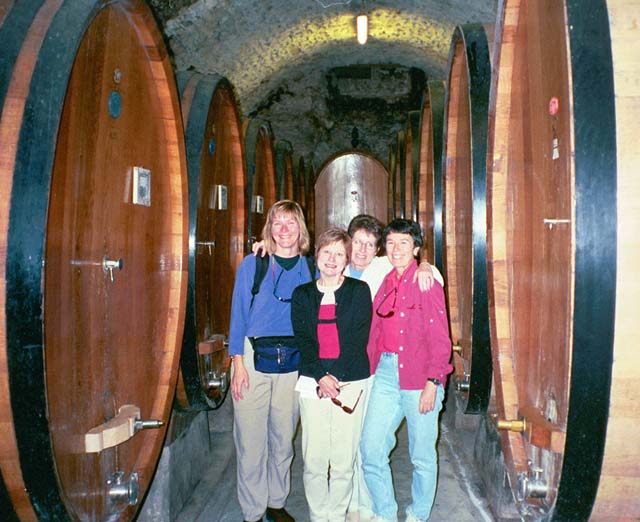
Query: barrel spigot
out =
(532, 484)
(120, 491)
(108, 265)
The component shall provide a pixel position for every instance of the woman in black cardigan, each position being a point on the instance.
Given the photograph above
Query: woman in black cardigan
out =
(331, 319)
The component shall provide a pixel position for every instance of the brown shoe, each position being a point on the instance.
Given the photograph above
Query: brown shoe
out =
(278, 515)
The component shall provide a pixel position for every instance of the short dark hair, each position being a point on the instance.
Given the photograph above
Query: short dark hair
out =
(404, 226)
(367, 223)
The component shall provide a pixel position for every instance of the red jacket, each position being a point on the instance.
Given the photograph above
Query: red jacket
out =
(423, 330)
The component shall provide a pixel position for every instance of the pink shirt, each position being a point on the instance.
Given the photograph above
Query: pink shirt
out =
(418, 330)
(328, 332)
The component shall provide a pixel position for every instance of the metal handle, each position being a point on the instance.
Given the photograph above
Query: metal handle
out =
(208, 244)
(109, 264)
(151, 424)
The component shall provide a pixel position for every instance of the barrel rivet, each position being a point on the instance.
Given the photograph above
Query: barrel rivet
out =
(117, 75)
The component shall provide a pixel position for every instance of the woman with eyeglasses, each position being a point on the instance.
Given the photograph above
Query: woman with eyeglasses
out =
(409, 351)
(331, 319)
(366, 235)
(265, 407)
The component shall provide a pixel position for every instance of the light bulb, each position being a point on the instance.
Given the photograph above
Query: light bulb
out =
(362, 28)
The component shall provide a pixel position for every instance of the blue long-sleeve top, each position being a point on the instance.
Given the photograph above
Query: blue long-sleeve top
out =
(268, 316)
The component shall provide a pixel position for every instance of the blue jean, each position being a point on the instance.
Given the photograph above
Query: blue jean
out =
(388, 405)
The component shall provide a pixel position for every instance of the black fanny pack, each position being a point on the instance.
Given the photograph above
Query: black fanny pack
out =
(276, 354)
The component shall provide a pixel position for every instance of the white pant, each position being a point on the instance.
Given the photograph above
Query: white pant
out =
(330, 438)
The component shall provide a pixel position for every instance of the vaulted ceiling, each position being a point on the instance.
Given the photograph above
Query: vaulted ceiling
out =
(277, 53)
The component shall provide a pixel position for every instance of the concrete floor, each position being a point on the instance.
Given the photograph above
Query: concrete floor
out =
(459, 496)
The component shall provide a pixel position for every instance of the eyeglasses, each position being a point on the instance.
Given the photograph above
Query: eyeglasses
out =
(367, 244)
(346, 409)
(275, 286)
(275, 291)
(393, 305)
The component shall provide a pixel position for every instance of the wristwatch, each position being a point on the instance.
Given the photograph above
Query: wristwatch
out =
(434, 381)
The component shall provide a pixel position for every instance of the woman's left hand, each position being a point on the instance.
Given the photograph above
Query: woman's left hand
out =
(424, 276)
(328, 386)
(427, 398)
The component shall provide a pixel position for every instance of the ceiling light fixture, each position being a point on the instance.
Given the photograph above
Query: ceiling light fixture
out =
(362, 28)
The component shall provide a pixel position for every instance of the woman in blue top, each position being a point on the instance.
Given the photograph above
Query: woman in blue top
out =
(265, 406)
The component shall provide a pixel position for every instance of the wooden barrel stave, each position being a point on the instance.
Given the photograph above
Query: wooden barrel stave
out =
(464, 219)
(46, 431)
(216, 173)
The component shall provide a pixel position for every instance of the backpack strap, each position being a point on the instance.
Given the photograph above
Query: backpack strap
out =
(262, 266)
(311, 263)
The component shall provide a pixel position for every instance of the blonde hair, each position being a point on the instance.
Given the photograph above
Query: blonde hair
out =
(290, 208)
(334, 235)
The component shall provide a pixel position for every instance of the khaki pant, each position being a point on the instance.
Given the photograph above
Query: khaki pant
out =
(263, 429)
(330, 439)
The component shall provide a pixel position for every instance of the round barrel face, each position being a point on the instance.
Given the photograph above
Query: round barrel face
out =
(532, 193)
(458, 209)
(563, 203)
(219, 232)
(115, 266)
(263, 183)
(463, 216)
(349, 185)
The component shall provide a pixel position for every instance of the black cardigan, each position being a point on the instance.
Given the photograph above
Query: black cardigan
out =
(353, 319)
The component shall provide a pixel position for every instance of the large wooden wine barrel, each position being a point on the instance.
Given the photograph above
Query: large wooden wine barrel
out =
(424, 148)
(563, 253)
(284, 170)
(261, 176)
(399, 175)
(412, 127)
(216, 231)
(349, 184)
(310, 183)
(391, 184)
(464, 212)
(93, 232)
(299, 186)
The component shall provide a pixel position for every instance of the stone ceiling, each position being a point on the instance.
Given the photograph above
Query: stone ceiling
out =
(277, 53)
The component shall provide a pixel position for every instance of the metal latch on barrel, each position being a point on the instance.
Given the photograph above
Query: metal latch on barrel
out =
(117, 430)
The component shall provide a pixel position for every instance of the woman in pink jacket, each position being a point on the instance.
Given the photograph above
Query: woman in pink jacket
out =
(409, 351)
